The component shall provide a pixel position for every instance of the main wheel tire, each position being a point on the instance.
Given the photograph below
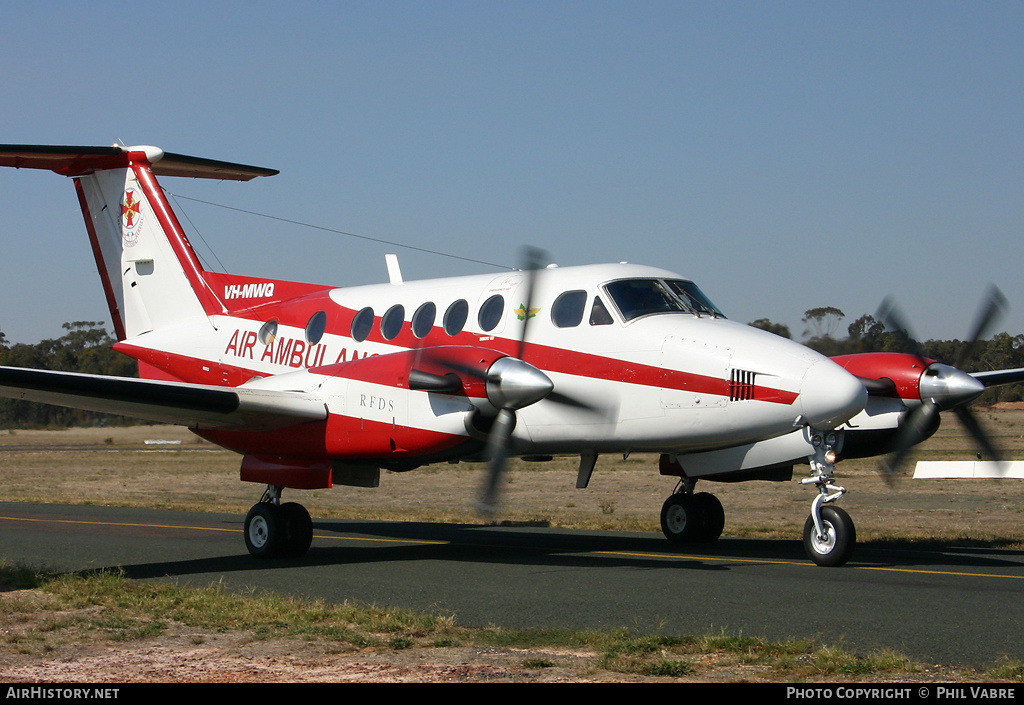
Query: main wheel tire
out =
(298, 529)
(710, 517)
(679, 520)
(836, 547)
(263, 530)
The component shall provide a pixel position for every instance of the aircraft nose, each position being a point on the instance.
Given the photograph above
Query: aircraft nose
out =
(830, 396)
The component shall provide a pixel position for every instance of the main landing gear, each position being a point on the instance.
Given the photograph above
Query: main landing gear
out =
(687, 516)
(275, 530)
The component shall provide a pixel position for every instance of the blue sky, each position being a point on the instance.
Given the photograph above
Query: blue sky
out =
(784, 155)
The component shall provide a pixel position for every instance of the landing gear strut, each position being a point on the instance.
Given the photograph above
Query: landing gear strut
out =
(275, 530)
(692, 517)
(829, 533)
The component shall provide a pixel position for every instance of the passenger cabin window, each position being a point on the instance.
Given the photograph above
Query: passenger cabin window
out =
(490, 312)
(455, 317)
(642, 297)
(362, 324)
(268, 331)
(599, 315)
(423, 319)
(567, 311)
(391, 322)
(316, 327)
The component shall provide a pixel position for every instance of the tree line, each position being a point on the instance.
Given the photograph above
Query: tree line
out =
(867, 334)
(86, 347)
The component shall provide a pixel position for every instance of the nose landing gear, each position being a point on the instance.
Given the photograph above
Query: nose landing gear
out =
(829, 533)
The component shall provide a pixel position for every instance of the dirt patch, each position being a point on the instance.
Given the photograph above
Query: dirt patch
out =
(191, 657)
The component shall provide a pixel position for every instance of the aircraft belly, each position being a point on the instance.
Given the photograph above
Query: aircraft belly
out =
(790, 448)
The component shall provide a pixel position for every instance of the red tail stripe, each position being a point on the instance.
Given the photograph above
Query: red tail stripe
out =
(176, 236)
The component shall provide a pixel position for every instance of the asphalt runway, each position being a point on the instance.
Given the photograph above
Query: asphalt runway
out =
(949, 606)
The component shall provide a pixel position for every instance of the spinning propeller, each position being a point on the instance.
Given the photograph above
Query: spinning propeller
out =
(510, 384)
(943, 387)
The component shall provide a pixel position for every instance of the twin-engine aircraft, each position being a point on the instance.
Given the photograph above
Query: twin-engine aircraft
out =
(320, 385)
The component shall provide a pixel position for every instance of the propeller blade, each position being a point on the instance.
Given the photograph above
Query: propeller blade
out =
(993, 307)
(497, 454)
(428, 382)
(532, 258)
(512, 384)
(919, 425)
(891, 316)
(970, 422)
(878, 387)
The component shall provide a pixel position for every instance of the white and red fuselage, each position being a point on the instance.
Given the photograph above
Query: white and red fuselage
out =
(670, 382)
(649, 362)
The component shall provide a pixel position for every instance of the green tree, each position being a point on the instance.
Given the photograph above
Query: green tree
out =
(85, 347)
(822, 321)
(780, 329)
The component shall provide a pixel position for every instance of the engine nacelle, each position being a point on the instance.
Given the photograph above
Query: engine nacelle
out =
(902, 369)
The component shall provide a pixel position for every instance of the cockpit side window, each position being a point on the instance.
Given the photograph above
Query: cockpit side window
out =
(567, 311)
(599, 315)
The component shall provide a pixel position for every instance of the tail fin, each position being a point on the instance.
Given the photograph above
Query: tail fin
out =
(150, 273)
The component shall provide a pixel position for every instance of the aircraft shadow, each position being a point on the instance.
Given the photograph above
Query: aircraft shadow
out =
(420, 541)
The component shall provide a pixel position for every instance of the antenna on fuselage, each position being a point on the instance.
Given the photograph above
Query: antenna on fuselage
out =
(394, 271)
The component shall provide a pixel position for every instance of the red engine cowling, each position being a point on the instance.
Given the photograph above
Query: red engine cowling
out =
(902, 369)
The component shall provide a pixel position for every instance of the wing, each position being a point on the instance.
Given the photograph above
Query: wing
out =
(999, 377)
(193, 405)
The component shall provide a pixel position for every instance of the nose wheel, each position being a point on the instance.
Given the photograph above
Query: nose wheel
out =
(833, 545)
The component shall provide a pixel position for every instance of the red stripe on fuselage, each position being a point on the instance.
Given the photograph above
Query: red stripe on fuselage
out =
(549, 359)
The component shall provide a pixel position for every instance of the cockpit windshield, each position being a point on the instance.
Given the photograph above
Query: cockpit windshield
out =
(642, 297)
(693, 297)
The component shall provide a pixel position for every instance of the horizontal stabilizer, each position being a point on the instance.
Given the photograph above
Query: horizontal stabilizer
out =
(78, 161)
(192, 405)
